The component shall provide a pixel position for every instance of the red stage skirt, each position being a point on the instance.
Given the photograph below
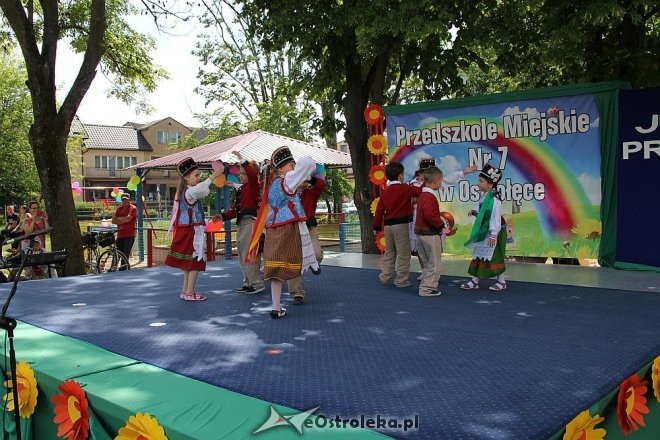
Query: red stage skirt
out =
(181, 250)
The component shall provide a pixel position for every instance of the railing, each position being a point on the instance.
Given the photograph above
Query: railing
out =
(95, 173)
(158, 245)
(350, 237)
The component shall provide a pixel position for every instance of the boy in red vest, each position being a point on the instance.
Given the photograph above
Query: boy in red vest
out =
(395, 211)
(244, 210)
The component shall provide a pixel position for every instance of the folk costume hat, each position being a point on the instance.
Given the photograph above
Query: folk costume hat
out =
(426, 163)
(491, 173)
(281, 157)
(186, 166)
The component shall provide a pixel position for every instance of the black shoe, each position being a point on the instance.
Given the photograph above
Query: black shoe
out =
(276, 314)
(243, 288)
(249, 290)
(298, 300)
(317, 271)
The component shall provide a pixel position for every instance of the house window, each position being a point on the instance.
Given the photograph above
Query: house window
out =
(168, 137)
(104, 162)
(97, 162)
(162, 136)
(120, 162)
(133, 161)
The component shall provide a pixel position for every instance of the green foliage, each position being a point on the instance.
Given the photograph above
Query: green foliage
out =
(535, 44)
(337, 187)
(261, 87)
(127, 58)
(20, 181)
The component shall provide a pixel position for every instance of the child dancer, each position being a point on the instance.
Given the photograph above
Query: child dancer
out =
(488, 237)
(395, 211)
(244, 210)
(188, 245)
(310, 193)
(288, 249)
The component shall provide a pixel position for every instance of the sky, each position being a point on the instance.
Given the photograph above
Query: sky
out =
(174, 97)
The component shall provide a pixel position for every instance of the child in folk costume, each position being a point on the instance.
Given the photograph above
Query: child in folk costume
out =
(187, 251)
(395, 211)
(488, 237)
(288, 249)
(310, 193)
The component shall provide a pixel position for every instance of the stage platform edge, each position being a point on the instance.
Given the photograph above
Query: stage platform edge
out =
(118, 387)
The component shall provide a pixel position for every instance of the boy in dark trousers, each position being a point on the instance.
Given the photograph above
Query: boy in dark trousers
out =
(395, 212)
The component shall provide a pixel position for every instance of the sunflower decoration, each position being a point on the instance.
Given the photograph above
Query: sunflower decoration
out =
(380, 241)
(590, 228)
(655, 377)
(582, 427)
(377, 144)
(374, 114)
(27, 390)
(631, 404)
(374, 205)
(71, 411)
(141, 426)
(377, 175)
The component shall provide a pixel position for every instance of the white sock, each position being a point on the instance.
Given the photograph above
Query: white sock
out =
(475, 280)
(500, 279)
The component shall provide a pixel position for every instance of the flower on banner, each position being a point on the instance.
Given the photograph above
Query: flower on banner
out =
(582, 427)
(589, 228)
(27, 390)
(631, 404)
(141, 427)
(71, 411)
(377, 144)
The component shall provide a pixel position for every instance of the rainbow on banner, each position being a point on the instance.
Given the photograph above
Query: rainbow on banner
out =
(565, 204)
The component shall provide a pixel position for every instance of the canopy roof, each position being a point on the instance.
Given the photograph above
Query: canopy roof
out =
(256, 145)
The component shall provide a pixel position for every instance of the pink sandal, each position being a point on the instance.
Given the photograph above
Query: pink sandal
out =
(194, 297)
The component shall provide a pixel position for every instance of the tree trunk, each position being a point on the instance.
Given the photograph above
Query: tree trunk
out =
(49, 148)
(356, 136)
(330, 136)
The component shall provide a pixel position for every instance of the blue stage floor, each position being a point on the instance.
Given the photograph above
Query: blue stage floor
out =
(473, 365)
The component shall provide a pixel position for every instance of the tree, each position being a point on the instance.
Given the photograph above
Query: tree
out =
(538, 44)
(20, 181)
(99, 31)
(363, 51)
(260, 87)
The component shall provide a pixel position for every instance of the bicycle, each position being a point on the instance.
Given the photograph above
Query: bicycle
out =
(110, 260)
(90, 252)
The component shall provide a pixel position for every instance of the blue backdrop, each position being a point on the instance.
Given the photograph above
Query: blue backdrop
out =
(638, 162)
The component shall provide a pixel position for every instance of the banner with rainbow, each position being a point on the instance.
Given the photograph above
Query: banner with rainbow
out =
(549, 151)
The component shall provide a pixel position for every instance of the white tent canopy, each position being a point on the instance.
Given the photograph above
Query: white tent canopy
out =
(256, 145)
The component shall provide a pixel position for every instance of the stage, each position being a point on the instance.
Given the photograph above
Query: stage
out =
(517, 364)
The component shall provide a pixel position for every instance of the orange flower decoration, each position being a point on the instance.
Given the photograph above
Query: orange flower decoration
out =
(71, 411)
(374, 114)
(377, 175)
(380, 241)
(377, 144)
(374, 205)
(582, 427)
(631, 404)
(655, 377)
(27, 390)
